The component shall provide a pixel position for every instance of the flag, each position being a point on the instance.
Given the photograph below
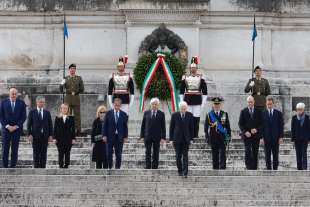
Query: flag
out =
(66, 34)
(254, 34)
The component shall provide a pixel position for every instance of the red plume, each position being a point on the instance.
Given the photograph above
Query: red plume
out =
(125, 58)
(195, 60)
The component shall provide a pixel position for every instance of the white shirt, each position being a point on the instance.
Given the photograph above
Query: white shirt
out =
(116, 114)
(64, 117)
(270, 111)
(154, 113)
(40, 112)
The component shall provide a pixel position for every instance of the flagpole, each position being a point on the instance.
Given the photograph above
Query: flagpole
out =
(64, 56)
(253, 50)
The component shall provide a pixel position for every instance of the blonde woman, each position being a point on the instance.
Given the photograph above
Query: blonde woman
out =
(64, 135)
(99, 154)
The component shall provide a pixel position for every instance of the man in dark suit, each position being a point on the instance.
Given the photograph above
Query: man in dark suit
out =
(300, 128)
(115, 132)
(250, 124)
(181, 133)
(273, 132)
(40, 130)
(153, 132)
(12, 117)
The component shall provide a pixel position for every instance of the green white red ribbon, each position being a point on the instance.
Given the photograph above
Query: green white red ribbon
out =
(169, 76)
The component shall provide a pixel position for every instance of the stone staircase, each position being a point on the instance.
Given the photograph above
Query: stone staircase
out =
(133, 155)
(148, 188)
(132, 186)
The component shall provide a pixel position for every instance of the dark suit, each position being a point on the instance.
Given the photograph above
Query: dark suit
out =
(181, 133)
(10, 116)
(251, 144)
(153, 129)
(40, 128)
(64, 133)
(115, 131)
(301, 136)
(272, 131)
(217, 139)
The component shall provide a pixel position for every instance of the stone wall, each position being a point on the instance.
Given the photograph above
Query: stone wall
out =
(219, 31)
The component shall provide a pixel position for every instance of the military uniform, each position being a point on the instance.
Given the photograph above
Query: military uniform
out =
(73, 87)
(260, 91)
(218, 135)
(193, 91)
(121, 86)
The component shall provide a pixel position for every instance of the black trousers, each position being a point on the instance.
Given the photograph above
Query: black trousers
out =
(218, 148)
(272, 148)
(39, 146)
(181, 151)
(251, 146)
(301, 154)
(196, 126)
(115, 145)
(64, 155)
(151, 159)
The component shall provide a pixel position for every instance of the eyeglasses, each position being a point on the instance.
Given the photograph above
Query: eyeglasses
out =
(102, 112)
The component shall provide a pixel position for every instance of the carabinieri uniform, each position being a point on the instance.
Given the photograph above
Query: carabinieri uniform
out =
(194, 91)
(121, 86)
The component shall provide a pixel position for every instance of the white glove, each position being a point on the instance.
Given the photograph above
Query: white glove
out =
(63, 81)
(110, 101)
(204, 100)
(181, 97)
(251, 84)
(132, 98)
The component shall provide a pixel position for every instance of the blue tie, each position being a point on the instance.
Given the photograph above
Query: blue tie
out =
(13, 105)
(116, 117)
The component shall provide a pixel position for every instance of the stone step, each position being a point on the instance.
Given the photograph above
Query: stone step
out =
(67, 187)
(163, 151)
(163, 164)
(161, 203)
(235, 154)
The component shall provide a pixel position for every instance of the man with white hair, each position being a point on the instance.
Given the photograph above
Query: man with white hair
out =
(153, 133)
(251, 125)
(300, 128)
(12, 117)
(194, 91)
(181, 133)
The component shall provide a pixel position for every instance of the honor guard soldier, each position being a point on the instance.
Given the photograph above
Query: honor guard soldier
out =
(218, 133)
(259, 88)
(72, 85)
(121, 86)
(193, 91)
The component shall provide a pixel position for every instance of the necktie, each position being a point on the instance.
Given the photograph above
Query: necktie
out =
(116, 117)
(41, 114)
(270, 113)
(153, 114)
(13, 105)
(251, 112)
(182, 115)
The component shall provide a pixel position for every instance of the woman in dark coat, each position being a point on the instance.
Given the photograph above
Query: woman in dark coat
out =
(99, 144)
(64, 135)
